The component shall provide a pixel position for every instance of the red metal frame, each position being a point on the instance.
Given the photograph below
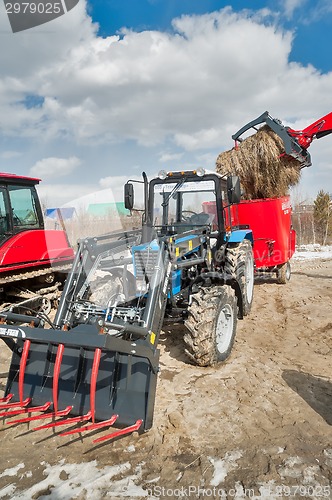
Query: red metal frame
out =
(22, 179)
(296, 142)
(318, 129)
(121, 432)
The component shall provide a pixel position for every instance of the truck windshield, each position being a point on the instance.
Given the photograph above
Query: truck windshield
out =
(187, 203)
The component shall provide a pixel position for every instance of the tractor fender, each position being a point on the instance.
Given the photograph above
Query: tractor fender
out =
(239, 235)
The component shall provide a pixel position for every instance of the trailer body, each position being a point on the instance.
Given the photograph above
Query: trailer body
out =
(271, 224)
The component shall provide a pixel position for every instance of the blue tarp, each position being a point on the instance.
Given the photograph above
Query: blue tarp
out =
(66, 213)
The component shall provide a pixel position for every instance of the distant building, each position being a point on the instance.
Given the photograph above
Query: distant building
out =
(105, 209)
(303, 208)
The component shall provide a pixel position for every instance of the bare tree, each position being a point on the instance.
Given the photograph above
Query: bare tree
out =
(322, 215)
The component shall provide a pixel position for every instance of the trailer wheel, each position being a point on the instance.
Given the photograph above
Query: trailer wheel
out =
(211, 325)
(284, 273)
(239, 265)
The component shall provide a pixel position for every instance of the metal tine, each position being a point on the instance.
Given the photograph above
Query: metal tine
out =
(61, 413)
(56, 374)
(93, 382)
(23, 363)
(22, 402)
(72, 420)
(32, 409)
(17, 404)
(45, 407)
(6, 398)
(91, 427)
(90, 415)
(121, 432)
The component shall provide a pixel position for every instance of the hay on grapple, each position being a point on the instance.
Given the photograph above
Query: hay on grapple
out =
(260, 163)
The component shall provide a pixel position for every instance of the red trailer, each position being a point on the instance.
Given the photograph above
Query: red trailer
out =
(270, 218)
(274, 239)
(270, 221)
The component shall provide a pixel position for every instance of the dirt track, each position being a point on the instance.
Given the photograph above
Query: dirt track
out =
(262, 420)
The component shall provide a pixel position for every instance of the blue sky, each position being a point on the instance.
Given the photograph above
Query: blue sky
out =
(310, 21)
(116, 87)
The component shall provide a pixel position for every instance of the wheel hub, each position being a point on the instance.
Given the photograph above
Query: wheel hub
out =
(224, 328)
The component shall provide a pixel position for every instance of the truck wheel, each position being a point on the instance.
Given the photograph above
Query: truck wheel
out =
(211, 325)
(284, 273)
(239, 264)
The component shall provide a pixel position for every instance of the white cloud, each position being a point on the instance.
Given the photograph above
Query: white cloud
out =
(115, 184)
(205, 138)
(289, 6)
(58, 195)
(166, 157)
(148, 86)
(307, 12)
(191, 88)
(52, 167)
(8, 155)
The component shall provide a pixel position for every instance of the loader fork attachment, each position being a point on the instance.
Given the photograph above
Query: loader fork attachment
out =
(292, 143)
(113, 389)
(97, 367)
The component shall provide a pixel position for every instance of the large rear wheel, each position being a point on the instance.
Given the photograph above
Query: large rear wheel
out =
(239, 265)
(211, 325)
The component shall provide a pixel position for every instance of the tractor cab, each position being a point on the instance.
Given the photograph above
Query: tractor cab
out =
(19, 205)
(176, 202)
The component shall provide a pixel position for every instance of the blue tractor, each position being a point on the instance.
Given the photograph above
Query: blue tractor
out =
(98, 361)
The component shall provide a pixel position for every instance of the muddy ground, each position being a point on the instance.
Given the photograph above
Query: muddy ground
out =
(259, 426)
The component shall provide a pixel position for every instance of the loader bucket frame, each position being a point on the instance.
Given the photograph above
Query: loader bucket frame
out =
(99, 363)
(292, 147)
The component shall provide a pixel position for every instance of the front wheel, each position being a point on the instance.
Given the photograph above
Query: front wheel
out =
(211, 325)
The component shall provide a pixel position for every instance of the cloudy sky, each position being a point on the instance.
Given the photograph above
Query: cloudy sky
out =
(115, 87)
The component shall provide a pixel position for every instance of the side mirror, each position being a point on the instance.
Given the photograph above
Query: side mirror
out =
(129, 196)
(233, 189)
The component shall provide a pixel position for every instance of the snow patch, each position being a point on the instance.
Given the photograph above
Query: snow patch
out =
(87, 479)
(12, 471)
(7, 491)
(130, 449)
(310, 252)
(291, 468)
(223, 466)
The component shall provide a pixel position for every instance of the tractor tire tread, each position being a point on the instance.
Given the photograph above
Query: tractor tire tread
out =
(199, 338)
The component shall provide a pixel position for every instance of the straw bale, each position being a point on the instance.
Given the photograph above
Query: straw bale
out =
(262, 171)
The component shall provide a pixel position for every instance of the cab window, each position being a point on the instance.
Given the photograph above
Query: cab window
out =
(23, 207)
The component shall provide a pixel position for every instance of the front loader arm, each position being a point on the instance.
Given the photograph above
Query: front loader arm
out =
(316, 130)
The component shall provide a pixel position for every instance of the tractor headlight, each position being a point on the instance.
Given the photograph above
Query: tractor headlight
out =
(162, 175)
(200, 172)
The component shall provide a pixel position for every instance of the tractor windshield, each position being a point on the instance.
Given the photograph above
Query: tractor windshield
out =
(185, 203)
(23, 205)
(4, 227)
